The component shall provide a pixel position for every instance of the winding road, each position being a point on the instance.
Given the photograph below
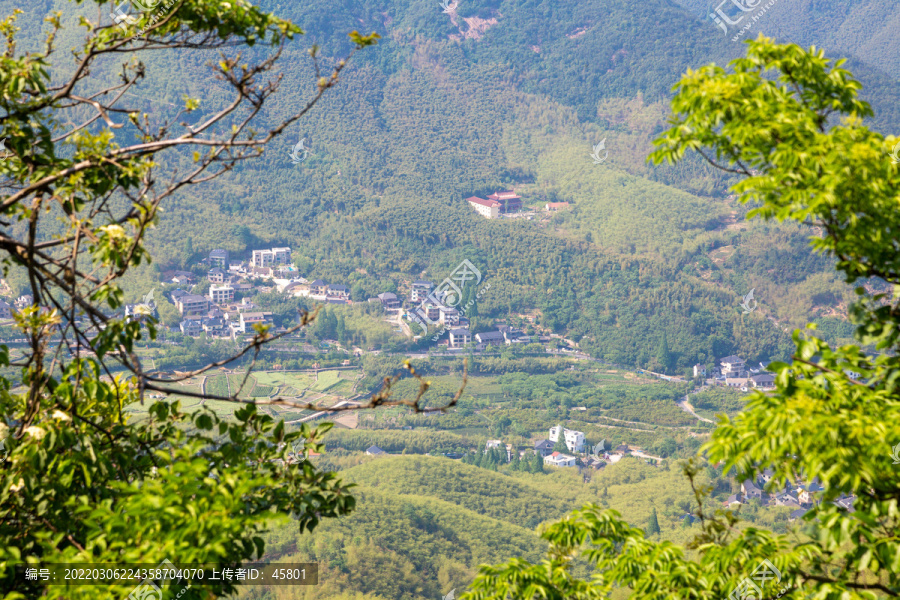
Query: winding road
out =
(685, 405)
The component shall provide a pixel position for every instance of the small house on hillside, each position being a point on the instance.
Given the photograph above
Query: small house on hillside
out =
(489, 337)
(558, 459)
(543, 447)
(374, 451)
(763, 381)
(750, 491)
(389, 300)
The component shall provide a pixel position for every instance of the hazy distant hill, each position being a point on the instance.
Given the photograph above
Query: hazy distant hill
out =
(864, 29)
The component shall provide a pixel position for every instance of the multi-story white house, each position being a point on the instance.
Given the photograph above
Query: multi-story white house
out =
(219, 258)
(216, 275)
(732, 366)
(271, 256)
(221, 294)
(574, 439)
(419, 290)
(248, 319)
(449, 316)
(339, 291)
(460, 337)
(190, 305)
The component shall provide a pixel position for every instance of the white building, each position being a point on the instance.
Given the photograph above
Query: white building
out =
(249, 319)
(460, 337)
(732, 366)
(419, 290)
(574, 439)
(271, 256)
(449, 315)
(221, 294)
(489, 209)
(559, 460)
(699, 370)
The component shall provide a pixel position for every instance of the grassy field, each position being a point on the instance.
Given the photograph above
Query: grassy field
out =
(327, 380)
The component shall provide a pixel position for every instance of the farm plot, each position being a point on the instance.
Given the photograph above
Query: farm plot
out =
(217, 385)
(328, 381)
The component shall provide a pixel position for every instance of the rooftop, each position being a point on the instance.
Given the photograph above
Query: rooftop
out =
(483, 202)
(732, 359)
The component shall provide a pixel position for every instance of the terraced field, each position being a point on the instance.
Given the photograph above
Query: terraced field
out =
(262, 391)
(331, 386)
(217, 385)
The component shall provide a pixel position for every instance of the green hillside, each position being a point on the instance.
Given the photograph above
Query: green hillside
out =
(423, 524)
(504, 94)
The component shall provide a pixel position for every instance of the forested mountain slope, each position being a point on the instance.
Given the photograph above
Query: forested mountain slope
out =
(500, 94)
(423, 524)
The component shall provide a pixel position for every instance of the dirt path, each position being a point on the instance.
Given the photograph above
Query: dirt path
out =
(633, 422)
(685, 405)
(640, 454)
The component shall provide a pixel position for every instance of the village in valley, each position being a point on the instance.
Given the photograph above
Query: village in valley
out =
(225, 305)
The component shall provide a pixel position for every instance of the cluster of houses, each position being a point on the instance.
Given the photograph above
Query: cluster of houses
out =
(733, 371)
(7, 309)
(799, 495)
(498, 203)
(218, 314)
(216, 319)
(574, 441)
(427, 306)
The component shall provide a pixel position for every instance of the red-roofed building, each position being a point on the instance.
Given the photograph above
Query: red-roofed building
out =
(510, 201)
(489, 209)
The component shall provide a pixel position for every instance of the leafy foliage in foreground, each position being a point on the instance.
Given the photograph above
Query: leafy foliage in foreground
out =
(80, 481)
